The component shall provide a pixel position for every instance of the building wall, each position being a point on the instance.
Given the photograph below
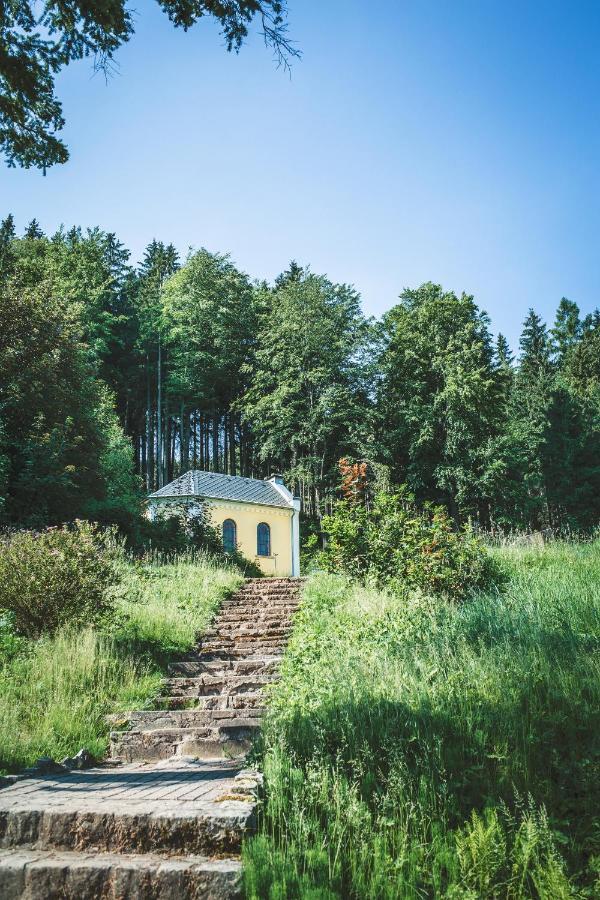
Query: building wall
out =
(247, 517)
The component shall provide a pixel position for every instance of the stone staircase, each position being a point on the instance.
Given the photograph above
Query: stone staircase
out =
(212, 702)
(165, 818)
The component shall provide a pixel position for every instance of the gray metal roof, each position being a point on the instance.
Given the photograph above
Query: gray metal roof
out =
(223, 487)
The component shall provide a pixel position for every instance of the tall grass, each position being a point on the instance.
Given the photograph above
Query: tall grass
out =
(56, 692)
(421, 749)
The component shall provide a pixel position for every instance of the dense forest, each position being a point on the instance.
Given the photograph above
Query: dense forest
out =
(115, 379)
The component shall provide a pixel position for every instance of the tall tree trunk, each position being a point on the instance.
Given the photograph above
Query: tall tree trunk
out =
(206, 421)
(149, 435)
(232, 418)
(185, 440)
(215, 443)
(201, 442)
(159, 422)
(195, 440)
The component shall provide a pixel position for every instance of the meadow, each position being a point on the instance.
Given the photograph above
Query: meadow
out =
(56, 691)
(420, 748)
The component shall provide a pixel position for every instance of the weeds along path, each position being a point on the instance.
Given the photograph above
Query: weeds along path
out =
(166, 816)
(418, 748)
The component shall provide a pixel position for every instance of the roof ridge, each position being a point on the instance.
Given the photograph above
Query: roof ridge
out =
(222, 486)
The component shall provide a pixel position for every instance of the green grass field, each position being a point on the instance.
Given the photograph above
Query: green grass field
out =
(56, 692)
(418, 749)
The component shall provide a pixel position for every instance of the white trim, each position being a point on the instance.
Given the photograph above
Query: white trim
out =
(281, 489)
(296, 538)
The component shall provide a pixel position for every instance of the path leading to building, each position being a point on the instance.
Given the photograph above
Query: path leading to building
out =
(165, 819)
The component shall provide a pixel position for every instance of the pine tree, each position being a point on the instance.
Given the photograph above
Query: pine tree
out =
(439, 399)
(567, 328)
(308, 402)
(7, 236)
(33, 230)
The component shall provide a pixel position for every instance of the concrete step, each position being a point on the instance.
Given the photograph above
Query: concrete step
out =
(150, 719)
(32, 874)
(225, 740)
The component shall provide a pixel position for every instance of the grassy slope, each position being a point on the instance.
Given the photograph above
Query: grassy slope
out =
(55, 693)
(415, 749)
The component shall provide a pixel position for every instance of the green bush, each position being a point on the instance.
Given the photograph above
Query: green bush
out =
(396, 544)
(179, 533)
(58, 576)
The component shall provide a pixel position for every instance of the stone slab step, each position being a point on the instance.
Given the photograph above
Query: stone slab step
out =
(30, 874)
(211, 685)
(249, 644)
(176, 807)
(233, 654)
(251, 625)
(225, 740)
(195, 666)
(245, 700)
(191, 718)
(243, 623)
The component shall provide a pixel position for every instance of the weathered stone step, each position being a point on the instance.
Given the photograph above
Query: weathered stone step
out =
(248, 633)
(194, 666)
(214, 685)
(274, 601)
(249, 640)
(232, 654)
(31, 874)
(243, 700)
(223, 740)
(255, 617)
(182, 807)
(192, 718)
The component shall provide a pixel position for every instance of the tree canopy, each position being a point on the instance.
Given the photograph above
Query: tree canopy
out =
(115, 379)
(38, 40)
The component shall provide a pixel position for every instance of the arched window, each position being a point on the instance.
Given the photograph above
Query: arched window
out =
(229, 535)
(263, 540)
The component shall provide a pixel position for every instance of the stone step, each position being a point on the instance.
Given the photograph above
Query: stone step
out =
(243, 634)
(146, 720)
(242, 641)
(231, 654)
(245, 700)
(195, 666)
(32, 874)
(271, 603)
(257, 617)
(176, 807)
(225, 740)
(215, 685)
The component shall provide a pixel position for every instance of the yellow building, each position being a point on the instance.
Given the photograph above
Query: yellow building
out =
(259, 518)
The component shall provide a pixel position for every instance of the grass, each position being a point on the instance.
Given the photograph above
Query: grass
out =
(418, 749)
(56, 692)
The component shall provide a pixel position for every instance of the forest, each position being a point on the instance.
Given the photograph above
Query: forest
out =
(116, 378)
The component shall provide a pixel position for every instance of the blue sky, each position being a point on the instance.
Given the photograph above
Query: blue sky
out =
(450, 141)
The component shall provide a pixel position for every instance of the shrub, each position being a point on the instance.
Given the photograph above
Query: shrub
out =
(58, 576)
(179, 533)
(397, 544)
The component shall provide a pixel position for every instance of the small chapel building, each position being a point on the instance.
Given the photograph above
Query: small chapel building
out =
(260, 518)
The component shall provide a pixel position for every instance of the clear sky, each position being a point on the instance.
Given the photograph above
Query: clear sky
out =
(447, 140)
